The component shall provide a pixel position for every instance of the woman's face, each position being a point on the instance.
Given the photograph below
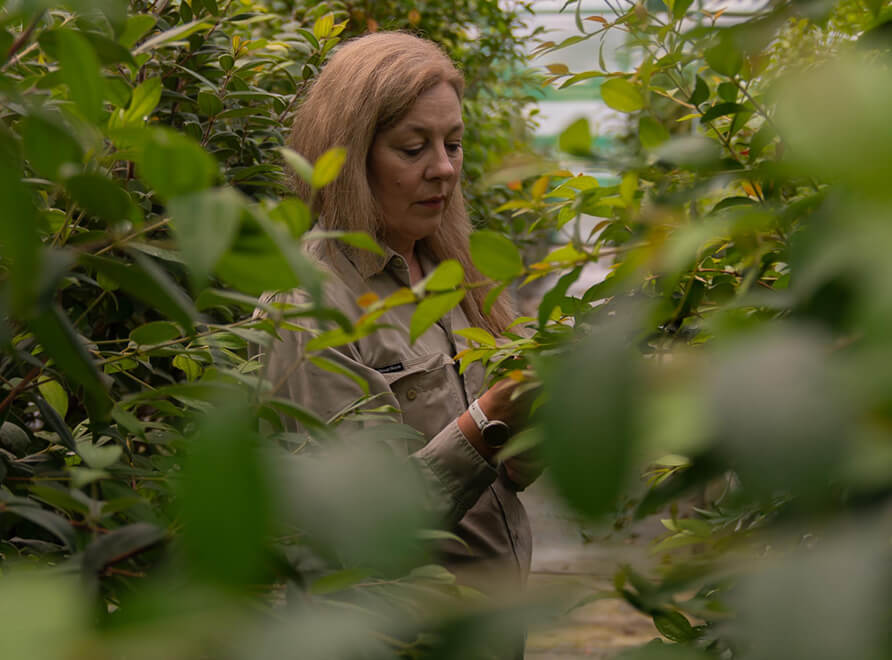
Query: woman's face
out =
(414, 165)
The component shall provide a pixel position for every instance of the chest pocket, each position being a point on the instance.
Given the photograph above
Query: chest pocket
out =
(429, 393)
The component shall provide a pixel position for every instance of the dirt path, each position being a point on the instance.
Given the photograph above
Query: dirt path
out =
(578, 565)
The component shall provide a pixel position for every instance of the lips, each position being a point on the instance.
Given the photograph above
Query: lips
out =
(433, 202)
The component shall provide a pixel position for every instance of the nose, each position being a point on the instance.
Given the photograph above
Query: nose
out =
(440, 165)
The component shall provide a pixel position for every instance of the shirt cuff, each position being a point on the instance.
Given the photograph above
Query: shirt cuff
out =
(460, 473)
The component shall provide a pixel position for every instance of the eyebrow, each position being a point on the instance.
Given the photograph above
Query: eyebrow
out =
(419, 128)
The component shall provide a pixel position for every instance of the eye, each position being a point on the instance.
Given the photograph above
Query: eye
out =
(453, 147)
(412, 151)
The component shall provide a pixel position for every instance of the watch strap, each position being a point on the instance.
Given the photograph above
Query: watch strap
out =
(477, 414)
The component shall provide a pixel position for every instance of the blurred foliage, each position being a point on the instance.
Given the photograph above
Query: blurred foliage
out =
(151, 502)
(736, 353)
(154, 505)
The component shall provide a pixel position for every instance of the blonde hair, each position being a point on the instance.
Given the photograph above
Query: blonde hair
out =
(368, 85)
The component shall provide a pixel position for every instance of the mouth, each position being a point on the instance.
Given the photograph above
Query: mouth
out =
(433, 202)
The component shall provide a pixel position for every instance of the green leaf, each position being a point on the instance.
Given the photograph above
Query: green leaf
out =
(447, 275)
(81, 71)
(294, 214)
(98, 457)
(55, 395)
(188, 366)
(430, 310)
(327, 167)
(147, 282)
(205, 225)
(136, 28)
(680, 8)
(361, 240)
(651, 133)
(724, 58)
(495, 255)
(179, 32)
(225, 501)
(333, 367)
(51, 522)
(673, 625)
(576, 139)
(622, 95)
(174, 164)
(61, 341)
(155, 332)
(120, 544)
(49, 146)
(700, 93)
(143, 101)
(720, 110)
(339, 580)
(479, 335)
(301, 166)
(323, 26)
(101, 197)
(209, 103)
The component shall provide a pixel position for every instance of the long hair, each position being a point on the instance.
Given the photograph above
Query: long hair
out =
(368, 85)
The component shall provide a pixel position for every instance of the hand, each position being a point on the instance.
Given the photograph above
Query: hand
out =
(498, 403)
(524, 468)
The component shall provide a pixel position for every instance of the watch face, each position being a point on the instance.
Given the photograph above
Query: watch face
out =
(496, 434)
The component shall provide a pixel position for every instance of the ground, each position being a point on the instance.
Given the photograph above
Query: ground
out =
(578, 560)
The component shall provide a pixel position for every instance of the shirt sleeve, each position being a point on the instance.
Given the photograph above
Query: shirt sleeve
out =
(454, 473)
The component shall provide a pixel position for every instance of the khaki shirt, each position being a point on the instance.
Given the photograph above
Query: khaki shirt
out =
(421, 380)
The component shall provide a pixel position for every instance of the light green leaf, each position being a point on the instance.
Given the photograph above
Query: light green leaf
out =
(479, 335)
(187, 365)
(143, 101)
(98, 457)
(328, 166)
(495, 255)
(430, 310)
(576, 138)
(55, 395)
(447, 275)
(620, 94)
(294, 214)
(323, 26)
(205, 224)
(301, 166)
(209, 103)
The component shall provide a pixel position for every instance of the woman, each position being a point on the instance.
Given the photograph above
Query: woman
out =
(394, 101)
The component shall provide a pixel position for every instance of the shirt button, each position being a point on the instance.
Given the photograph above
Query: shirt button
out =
(411, 394)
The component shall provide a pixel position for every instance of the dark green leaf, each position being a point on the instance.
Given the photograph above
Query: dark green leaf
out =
(174, 164)
(101, 197)
(651, 133)
(700, 93)
(155, 332)
(144, 280)
(119, 544)
(81, 70)
(51, 522)
(49, 146)
(61, 341)
(673, 625)
(721, 109)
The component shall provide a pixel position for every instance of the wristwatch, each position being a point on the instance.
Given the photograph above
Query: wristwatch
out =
(495, 433)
